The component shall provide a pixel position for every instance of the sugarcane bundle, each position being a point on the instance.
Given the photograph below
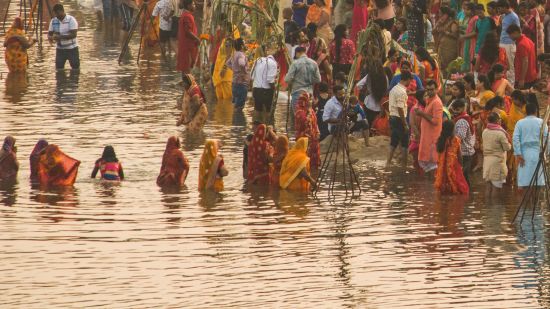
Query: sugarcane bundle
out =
(371, 45)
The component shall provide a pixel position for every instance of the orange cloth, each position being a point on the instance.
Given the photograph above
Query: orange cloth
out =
(296, 160)
(449, 177)
(207, 168)
(430, 132)
(56, 168)
(150, 25)
(174, 165)
(15, 53)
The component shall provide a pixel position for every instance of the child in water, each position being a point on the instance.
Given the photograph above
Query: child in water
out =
(108, 165)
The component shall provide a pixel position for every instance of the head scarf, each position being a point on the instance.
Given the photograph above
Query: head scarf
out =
(295, 161)
(174, 164)
(172, 144)
(17, 23)
(257, 151)
(109, 154)
(35, 155)
(209, 154)
(194, 88)
(303, 101)
(7, 147)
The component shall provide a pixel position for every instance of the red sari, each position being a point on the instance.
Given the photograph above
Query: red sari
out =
(305, 124)
(359, 18)
(56, 168)
(449, 178)
(259, 152)
(187, 46)
(34, 158)
(317, 50)
(8, 160)
(175, 166)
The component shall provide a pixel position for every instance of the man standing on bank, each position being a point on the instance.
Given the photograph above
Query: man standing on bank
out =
(63, 30)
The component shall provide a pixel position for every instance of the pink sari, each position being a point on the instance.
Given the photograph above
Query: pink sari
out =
(359, 19)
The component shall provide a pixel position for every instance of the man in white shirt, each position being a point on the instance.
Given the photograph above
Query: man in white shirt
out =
(263, 75)
(333, 108)
(63, 29)
(163, 9)
(398, 117)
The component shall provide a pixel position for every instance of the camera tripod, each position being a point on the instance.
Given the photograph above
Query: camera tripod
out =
(31, 23)
(142, 16)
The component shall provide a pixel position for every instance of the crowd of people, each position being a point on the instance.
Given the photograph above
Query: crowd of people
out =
(455, 88)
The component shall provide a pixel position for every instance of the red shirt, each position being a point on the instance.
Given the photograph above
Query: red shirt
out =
(525, 49)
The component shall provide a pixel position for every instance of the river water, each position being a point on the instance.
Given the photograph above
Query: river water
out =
(134, 246)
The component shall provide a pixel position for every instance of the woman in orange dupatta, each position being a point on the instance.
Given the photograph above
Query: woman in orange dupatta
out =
(212, 168)
(260, 155)
(8, 159)
(34, 158)
(295, 172)
(56, 168)
(281, 150)
(319, 14)
(194, 111)
(175, 167)
(449, 178)
(16, 45)
(500, 85)
(149, 25)
(305, 124)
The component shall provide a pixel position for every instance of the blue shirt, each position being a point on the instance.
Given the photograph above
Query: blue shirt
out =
(508, 19)
(397, 78)
(526, 140)
(299, 15)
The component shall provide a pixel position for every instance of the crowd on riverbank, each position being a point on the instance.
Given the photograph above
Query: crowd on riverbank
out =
(439, 89)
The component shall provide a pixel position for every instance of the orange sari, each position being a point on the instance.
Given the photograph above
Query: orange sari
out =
(150, 25)
(56, 168)
(295, 161)
(15, 53)
(449, 178)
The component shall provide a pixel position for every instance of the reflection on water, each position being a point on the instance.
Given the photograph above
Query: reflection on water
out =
(133, 245)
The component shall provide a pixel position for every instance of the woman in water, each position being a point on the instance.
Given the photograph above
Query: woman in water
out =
(108, 165)
(34, 158)
(16, 45)
(295, 171)
(194, 112)
(8, 159)
(305, 124)
(281, 150)
(212, 168)
(449, 178)
(55, 168)
(260, 155)
(175, 167)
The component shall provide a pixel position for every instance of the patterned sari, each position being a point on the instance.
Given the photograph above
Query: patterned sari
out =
(469, 45)
(449, 178)
(15, 53)
(295, 162)
(210, 164)
(305, 124)
(193, 114)
(8, 160)
(56, 168)
(281, 150)
(150, 25)
(259, 153)
(174, 166)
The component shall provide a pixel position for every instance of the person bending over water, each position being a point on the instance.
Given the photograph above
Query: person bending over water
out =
(8, 159)
(295, 170)
(108, 165)
(175, 167)
(194, 112)
(212, 168)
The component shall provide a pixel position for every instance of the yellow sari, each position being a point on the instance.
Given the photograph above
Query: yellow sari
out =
(516, 114)
(150, 31)
(222, 85)
(15, 53)
(293, 164)
(208, 168)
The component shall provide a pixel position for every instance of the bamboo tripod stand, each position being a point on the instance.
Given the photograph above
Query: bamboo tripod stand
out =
(33, 24)
(145, 13)
(533, 193)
